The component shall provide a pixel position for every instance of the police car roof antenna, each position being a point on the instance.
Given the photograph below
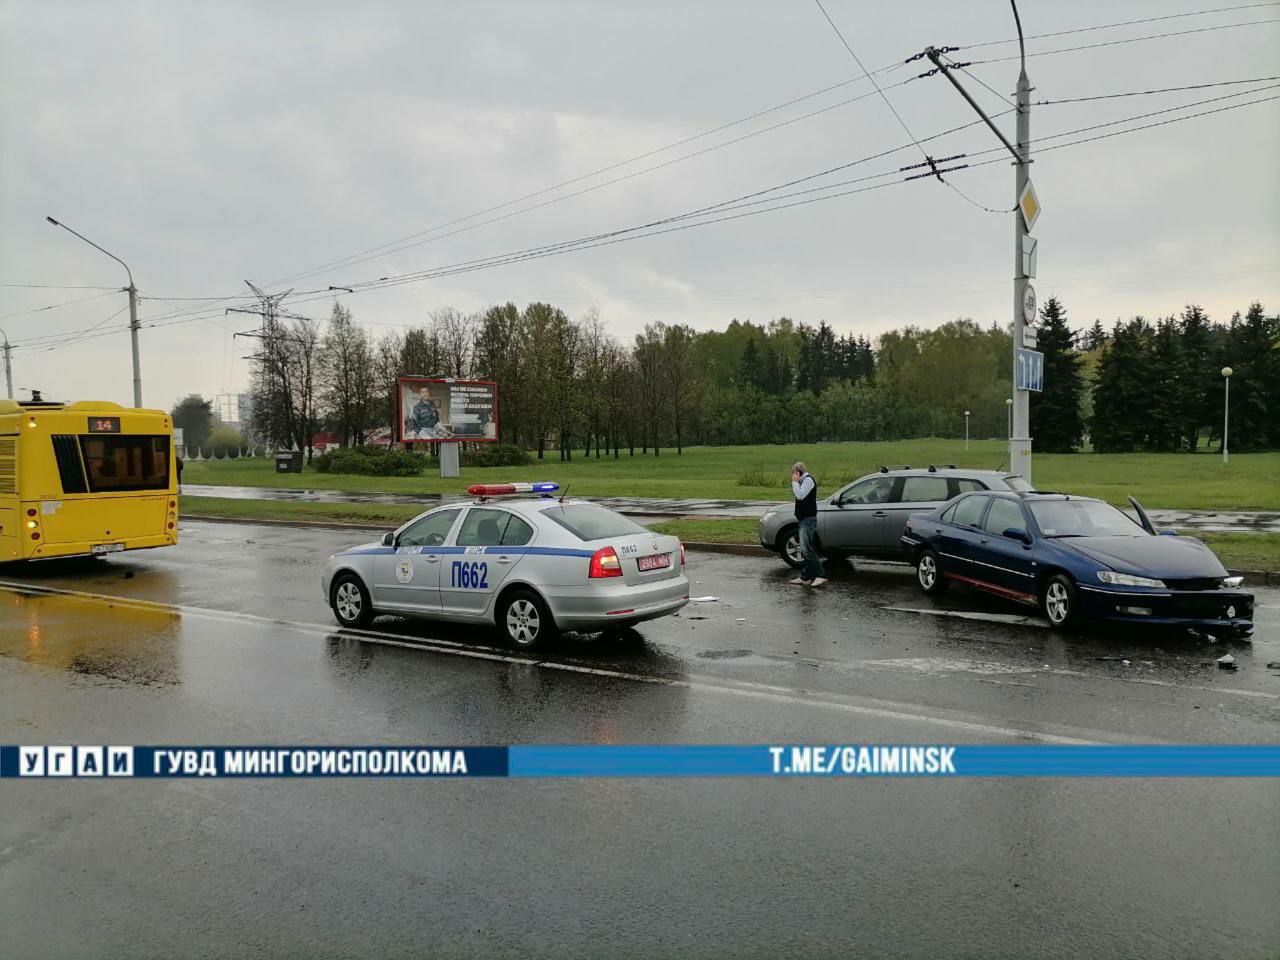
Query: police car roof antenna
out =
(566, 492)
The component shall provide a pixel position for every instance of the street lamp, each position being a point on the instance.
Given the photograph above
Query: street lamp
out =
(8, 370)
(133, 309)
(1226, 407)
(1008, 402)
(966, 429)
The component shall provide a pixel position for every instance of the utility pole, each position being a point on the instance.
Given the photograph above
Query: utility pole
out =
(1020, 423)
(8, 370)
(133, 310)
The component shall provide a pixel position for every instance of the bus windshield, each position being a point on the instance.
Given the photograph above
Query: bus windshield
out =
(123, 462)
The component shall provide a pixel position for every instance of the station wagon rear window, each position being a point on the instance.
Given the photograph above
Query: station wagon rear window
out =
(586, 521)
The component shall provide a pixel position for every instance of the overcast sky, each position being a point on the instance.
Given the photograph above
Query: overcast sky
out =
(211, 143)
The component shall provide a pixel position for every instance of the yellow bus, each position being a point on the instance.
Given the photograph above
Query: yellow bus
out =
(85, 478)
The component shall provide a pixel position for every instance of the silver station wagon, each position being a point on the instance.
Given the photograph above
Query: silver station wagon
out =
(532, 567)
(866, 517)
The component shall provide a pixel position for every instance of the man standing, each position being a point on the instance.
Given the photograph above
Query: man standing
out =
(805, 489)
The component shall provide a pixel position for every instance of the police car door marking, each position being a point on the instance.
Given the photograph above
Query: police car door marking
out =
(404, 570)
(469, 575)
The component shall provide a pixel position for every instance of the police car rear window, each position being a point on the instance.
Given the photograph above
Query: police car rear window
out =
(586, 521)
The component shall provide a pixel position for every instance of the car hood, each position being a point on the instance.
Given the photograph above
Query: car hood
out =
(362, 548)
(1160, 557)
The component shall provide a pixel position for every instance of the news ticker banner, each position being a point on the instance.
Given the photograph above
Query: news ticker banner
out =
(789, 760)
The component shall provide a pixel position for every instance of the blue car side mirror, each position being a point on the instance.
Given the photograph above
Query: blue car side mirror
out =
(1168, 532)
(1016, 533)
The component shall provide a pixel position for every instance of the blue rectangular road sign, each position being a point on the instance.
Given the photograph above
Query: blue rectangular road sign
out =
(1029, 373)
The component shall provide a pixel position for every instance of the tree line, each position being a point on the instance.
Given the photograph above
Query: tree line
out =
(568, 385)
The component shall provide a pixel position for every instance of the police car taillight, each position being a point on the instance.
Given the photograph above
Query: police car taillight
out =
(682, 554)
(506, 489)
(605, 563)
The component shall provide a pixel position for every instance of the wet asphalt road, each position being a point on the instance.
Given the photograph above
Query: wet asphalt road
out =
(237, 647)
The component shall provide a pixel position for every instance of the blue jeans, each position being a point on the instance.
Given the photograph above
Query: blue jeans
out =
(812, 562)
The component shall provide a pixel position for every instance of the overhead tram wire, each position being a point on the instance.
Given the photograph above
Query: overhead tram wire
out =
(64, 303)
(44, 341)
(1124, 23)
(449, 271)
(928, 159)
(1143, 93)
(383, 248)
(1116, 43)
(634, 232)
(881, 70)
(54, 286)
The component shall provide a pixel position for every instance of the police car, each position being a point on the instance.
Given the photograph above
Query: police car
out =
(532, 565)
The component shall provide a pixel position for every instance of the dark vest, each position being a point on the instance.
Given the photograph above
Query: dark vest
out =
(807, 506)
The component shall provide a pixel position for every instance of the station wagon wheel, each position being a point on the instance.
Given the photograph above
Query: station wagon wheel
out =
(526, 619)
(1059, 601)
(350, 601)
(789, 547)
(929, 573)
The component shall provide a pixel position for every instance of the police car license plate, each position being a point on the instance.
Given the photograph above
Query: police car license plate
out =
(657, 562)
(99, 548)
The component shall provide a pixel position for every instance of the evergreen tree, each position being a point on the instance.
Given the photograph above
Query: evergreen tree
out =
(750, 369)
(1095, 338)
(1120, 404)
(1165, 416)
(1198, 374)
(1056, 422)
(1253, 357)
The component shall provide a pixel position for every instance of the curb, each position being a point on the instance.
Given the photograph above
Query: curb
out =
(734, 549)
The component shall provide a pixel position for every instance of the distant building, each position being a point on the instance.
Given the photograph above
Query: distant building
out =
(234, 409)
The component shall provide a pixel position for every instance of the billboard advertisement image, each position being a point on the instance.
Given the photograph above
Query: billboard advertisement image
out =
(435, 410)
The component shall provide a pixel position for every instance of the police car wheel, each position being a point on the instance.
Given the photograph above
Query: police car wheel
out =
(350, 601)
(789, 547)
(526, 620)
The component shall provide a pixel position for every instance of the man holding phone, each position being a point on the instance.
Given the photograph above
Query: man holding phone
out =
(805, 489)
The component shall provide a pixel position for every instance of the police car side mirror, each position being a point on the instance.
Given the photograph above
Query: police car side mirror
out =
(389, 539)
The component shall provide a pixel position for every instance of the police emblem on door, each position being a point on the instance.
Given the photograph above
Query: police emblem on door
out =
(404, 570)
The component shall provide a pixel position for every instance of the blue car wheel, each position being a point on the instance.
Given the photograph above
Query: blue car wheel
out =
(1059, 601)
(929, 573)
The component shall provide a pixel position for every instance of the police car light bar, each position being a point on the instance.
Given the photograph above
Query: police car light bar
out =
(505, 489)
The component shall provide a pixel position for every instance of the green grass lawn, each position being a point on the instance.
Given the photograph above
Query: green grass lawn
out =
(1186, 481)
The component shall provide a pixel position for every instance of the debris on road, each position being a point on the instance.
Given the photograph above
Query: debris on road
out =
(704, 599)
(1113, 659)
(1226, 662)
(1274, 665)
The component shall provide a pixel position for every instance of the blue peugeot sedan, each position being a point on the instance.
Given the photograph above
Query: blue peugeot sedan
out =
(1076, 559)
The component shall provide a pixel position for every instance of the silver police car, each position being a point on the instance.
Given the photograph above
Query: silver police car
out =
(866, 517)
(532, 567)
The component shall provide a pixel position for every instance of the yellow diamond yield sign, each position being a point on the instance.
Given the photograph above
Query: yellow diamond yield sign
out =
(1029, 204)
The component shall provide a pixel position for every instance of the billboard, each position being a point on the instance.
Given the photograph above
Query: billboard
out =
(441, 410)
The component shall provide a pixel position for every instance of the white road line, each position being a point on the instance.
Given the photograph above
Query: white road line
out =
(693, 681)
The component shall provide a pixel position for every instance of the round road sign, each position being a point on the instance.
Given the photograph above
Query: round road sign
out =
(1029, 304)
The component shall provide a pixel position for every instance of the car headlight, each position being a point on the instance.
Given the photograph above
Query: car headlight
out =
(1127, 579)
(1233, 581)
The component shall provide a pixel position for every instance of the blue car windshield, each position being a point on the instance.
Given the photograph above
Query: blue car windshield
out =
(1082, 518)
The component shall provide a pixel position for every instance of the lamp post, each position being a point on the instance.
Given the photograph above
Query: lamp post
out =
(966, 429)
(133, 309)
(8, 370)
(1226, 407)
(1008, 402)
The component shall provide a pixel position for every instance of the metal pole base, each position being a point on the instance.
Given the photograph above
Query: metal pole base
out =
(1020, 457)
(450, 460)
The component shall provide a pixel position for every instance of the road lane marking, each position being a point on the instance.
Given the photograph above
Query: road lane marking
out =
(742, 688)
